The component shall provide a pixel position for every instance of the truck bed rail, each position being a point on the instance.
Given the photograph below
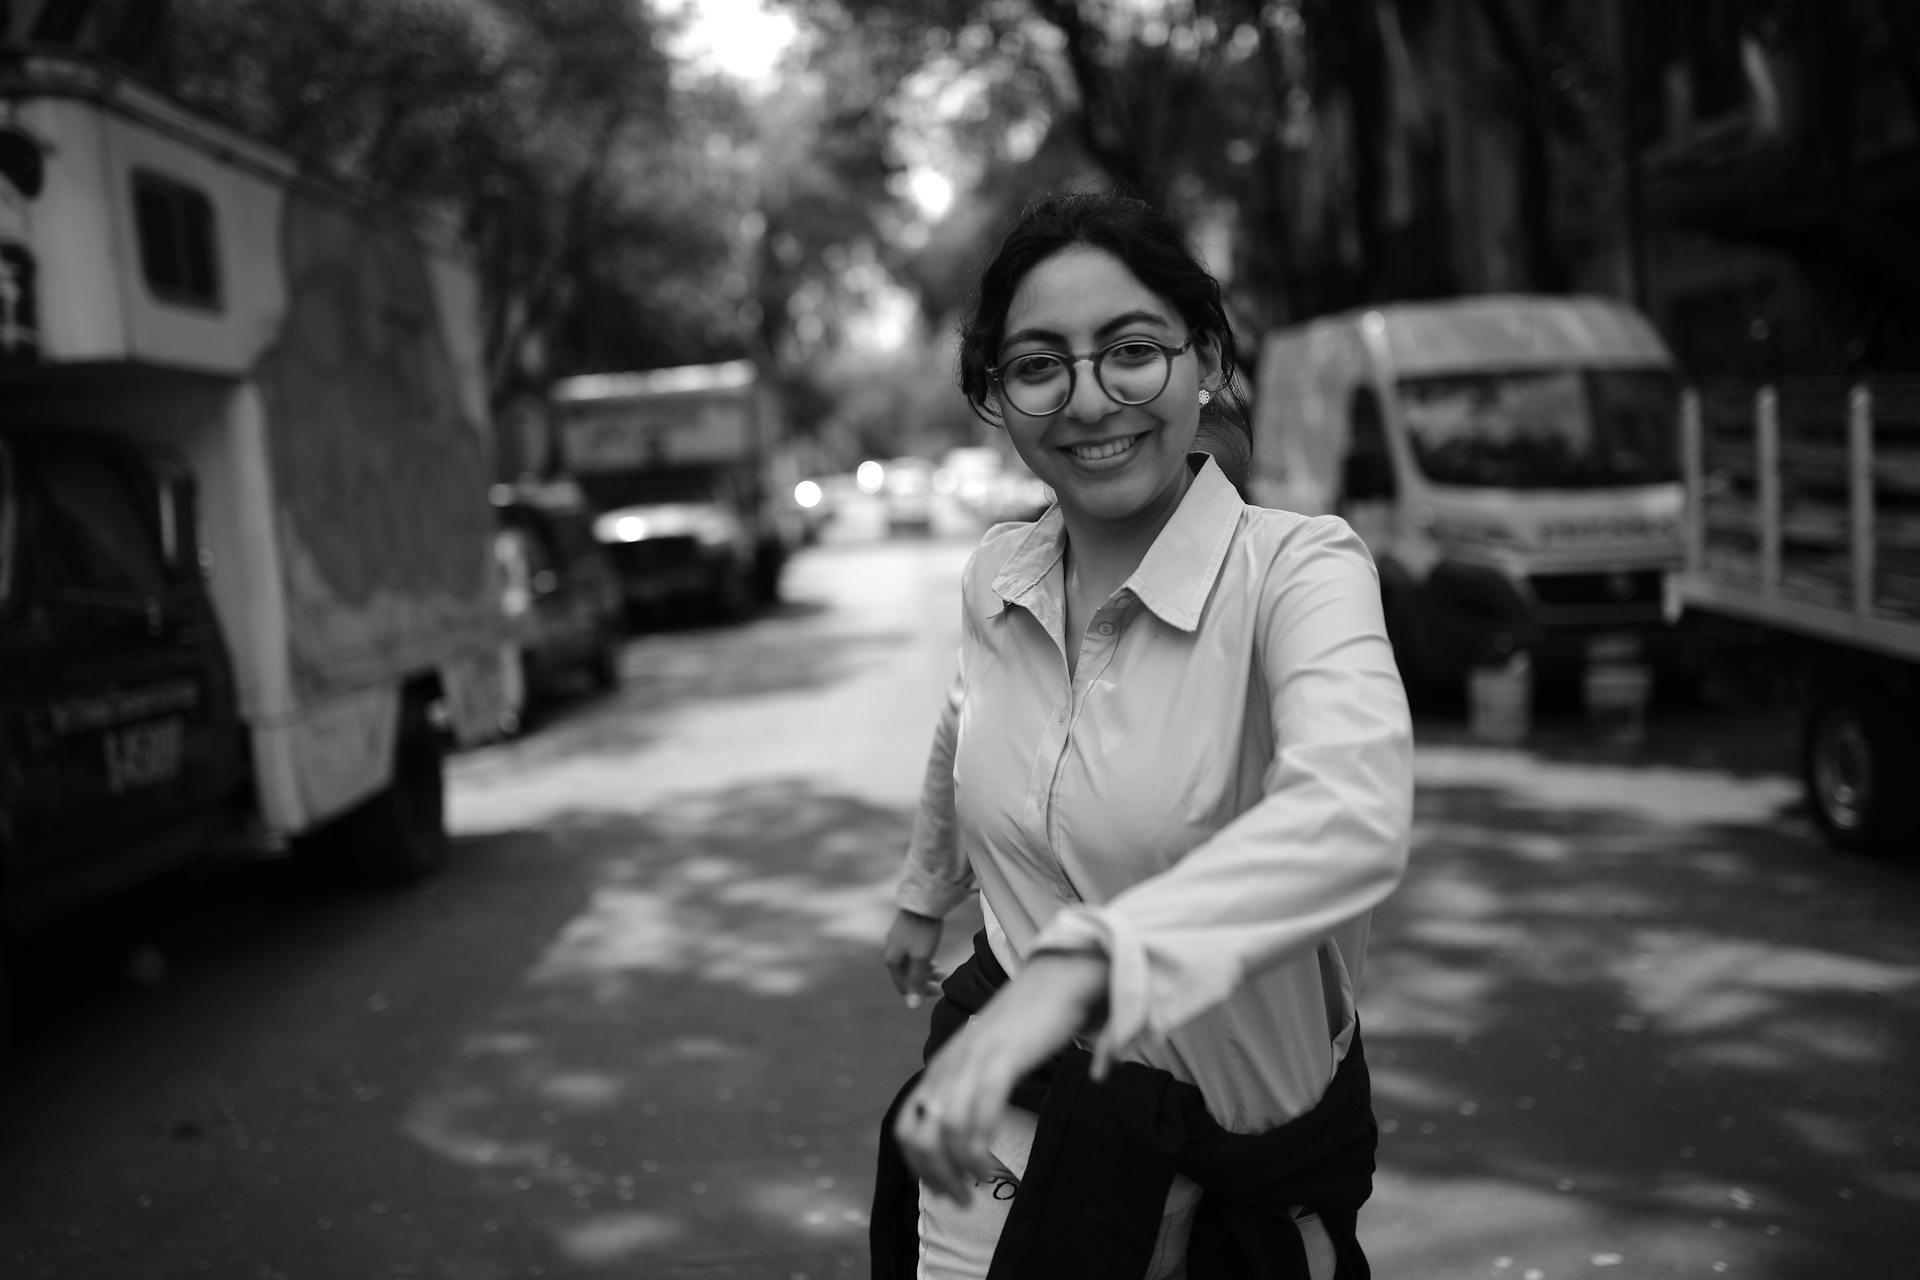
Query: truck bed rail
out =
(1804, 508)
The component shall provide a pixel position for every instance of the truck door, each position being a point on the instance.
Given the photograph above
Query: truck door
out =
(127, 742)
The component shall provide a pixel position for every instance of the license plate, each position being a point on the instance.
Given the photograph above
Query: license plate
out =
(144, 754)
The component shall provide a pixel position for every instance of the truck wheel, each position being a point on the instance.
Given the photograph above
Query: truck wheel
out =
(1858, 766)
(407, 834)
(400, 835)
(603, 668)
(768, 567)
(733, 595)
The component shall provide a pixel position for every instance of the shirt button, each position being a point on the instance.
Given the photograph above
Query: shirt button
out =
(1106, 628)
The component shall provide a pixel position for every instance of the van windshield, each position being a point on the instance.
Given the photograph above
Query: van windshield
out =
(1545, 429)
(659, 486)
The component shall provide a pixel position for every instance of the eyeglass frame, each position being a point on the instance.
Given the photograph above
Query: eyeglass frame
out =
(1072, 361)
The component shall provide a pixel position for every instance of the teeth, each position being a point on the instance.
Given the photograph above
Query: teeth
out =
(1107, 449)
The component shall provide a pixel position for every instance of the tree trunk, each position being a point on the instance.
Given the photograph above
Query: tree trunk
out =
(1540, 251)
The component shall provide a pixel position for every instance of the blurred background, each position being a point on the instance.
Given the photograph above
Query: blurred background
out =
(482, 497)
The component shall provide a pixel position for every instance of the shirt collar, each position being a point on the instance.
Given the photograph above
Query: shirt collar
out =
(1173, 579)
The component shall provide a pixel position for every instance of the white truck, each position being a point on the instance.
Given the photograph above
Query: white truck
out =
(246, 545)
(693, 473)
(1511, 462)
(1804, 525)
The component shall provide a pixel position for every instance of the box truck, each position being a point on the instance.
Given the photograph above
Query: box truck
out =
(247, 585)
(693, 474)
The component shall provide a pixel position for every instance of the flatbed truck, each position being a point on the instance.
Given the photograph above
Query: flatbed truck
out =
(1803, 528)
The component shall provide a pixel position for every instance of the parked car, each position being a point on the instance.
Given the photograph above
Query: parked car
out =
(906, 489)
(560, 591)
(1016, 494)
(815, 503)
(969, 473)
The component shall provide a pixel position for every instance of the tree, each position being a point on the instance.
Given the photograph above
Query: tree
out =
(550, 130)
(1185, 103)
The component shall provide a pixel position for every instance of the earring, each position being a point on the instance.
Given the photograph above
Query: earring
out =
(1206, 397)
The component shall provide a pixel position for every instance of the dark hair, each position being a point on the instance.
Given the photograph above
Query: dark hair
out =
(1152, 247)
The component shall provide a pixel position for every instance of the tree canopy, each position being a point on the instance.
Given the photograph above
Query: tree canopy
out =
(628, 210)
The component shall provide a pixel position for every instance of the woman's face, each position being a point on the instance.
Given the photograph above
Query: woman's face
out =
(1104, 459)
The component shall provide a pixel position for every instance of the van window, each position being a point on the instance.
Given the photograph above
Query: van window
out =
(175, 227)
(658, 486)
(98, 531)
(1545, 429)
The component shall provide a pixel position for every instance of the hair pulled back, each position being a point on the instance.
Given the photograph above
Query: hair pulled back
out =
(1151, 246)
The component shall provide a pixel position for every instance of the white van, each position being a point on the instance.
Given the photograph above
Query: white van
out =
(1512, 462)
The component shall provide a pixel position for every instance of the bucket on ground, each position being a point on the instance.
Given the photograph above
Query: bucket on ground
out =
(1500, 700)
(1616, 687)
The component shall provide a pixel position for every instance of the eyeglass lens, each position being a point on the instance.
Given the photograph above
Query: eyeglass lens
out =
(1042, 382)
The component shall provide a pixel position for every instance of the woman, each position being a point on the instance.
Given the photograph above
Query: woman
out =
(1176, 767)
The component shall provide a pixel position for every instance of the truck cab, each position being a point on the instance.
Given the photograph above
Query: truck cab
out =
(249, 561)
(122, 748)
(691, 469)
(1512, 463)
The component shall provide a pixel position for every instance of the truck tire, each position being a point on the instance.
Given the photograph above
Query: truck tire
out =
(603, 667)
(400, 835)
(768, 566)
(1858, 765)
(733, 595)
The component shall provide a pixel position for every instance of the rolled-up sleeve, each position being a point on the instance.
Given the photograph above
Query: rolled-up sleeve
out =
(937, 877)
(1326, 841)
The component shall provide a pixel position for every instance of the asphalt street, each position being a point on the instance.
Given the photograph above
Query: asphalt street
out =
(1627, 1017)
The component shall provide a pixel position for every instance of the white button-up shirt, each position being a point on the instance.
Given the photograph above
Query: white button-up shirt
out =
(1216, 799)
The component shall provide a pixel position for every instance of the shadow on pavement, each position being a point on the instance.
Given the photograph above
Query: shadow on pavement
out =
(1743, 740)
(687, 1079)
(656, 1044)
(653, 1047)
(1647, 1018)
(666, 671)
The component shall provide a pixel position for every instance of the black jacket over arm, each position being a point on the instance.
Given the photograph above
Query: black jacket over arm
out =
(1104, 1156)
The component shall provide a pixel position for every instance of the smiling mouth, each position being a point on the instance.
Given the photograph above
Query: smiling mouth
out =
(1104, 448)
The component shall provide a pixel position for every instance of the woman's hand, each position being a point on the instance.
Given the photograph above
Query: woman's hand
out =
(944, 1128)
(909, 950)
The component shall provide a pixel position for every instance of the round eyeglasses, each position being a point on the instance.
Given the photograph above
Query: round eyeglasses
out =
(1130, 371)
